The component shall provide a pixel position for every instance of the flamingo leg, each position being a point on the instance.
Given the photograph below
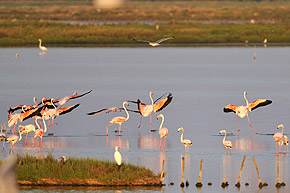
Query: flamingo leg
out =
(4, 142)
(26, 138)
(41, 143)
(251, 125)
(160, 143)
(238, 124)
(14, 130)
(140, 121)
(119, 129)
(107, 128)
(276, 148)
(52, 124)
(164, 142)
(151, 122)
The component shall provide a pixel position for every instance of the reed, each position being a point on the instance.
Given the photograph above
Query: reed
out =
(81, 171)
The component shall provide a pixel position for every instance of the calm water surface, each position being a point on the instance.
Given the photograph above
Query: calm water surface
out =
(202, 80)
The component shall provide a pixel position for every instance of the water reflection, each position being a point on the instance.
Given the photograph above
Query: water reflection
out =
(123, 144)
(149, 141)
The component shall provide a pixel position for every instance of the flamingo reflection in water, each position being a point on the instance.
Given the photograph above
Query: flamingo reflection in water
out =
(163, 131)
(242, 111)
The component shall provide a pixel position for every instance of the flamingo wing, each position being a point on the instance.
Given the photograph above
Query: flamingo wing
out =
(163, 103)
(28, 114)
(96, 112)
(231, 108)
(140, 107)
(164, 39)
(141, 40)
(80, 95)
(65, 110)
(259, 103)
(137, 102)
(118, 120)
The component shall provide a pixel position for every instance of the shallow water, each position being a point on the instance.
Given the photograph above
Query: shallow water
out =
(202, 80)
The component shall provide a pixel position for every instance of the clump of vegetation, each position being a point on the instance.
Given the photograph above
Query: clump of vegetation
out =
(80, 171)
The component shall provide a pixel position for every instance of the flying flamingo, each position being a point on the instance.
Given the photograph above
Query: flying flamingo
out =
(62, 101)
(111, 109)
(278, 137)
(119, 120)
(41, 47)
(227, 144)
(118, 156)
(26, 129)
(163, 131)
(2, 135)
(40, 132)
(186, 142)
(13, 139)
(242, 111)
(146, 110)
(156, 43)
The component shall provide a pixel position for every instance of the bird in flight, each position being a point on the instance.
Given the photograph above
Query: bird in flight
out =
(156, 43)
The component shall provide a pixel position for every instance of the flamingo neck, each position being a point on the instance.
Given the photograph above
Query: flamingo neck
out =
(20, 135)
(181, 137)
(126, 111)
(39, 43)
(34, 100)
(225, 137)
(23, 109)
(246, 99)
(53, 104)
(35, 121)
(150, 95)
(160, 127)
(45, 128)
(282, 129)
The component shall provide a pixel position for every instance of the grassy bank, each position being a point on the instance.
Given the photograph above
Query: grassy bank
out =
(81, 171)
(24, 22)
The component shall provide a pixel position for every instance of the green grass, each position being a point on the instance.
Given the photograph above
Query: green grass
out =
(35, 169)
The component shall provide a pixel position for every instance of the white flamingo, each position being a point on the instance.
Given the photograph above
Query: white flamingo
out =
(278, 138)
(41, 47)
(186, 142)
(227, 144)
(156, 43)
(242, 111)
(118, 156)
(26, 129)
(40, 132)
(163, 131)
(13, 139)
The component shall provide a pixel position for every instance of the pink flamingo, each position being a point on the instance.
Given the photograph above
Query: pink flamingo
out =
(278, 138)
(26, 129)
(119, 120)
(40, 132)
(242, 111)
(163, 131)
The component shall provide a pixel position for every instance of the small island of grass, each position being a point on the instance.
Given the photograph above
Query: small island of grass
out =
(81, 172)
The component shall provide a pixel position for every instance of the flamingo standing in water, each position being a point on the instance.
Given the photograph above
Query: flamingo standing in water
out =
(146, 110)
(13, 139)
(119, 120)
(2, 135)
(285, 142)
(43, 49)
(278, 138)
(163, 131)
(242, 111)
(227, 144)
(186, 142)
(156, 43)
(26, 129)
(118, 156)
(40, 132)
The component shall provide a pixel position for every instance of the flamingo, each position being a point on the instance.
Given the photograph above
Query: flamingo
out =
(40, 132)
(278, 138)
(156, 43)
(242, 111)
(227, 144)
(146, 110)
(41, 47)
(62, 101)
(163, 131)
(13, 139)
(111, 109)
(186, 142)
(2, 135)
(118, 156)
(119, 120)
(26, 129)
(285, 142)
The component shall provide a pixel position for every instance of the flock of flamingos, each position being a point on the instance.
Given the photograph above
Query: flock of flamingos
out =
(47, 110)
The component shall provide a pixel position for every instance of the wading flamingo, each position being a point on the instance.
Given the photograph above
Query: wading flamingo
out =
(285, 142)
(156, 43)
(41, 47)
(146, 110)
(118, 156)
(278, 138)
(2, 135)
(13, 139)
(40, 132)
(119, 120)
(242, 111)
(227, 144)
(163, 131)
(26, 129)
(186, 142)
